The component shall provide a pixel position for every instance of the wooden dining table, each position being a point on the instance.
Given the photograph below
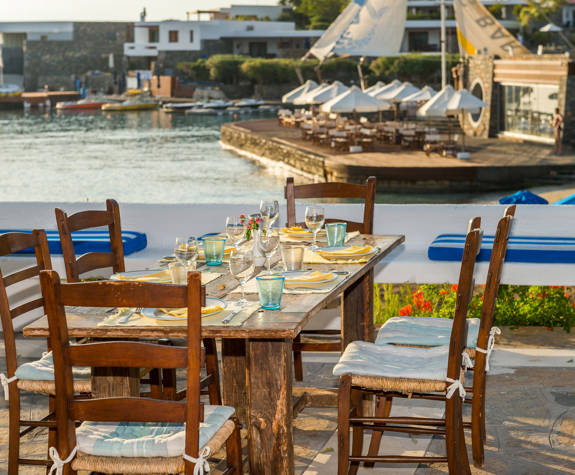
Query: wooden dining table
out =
(256, 355)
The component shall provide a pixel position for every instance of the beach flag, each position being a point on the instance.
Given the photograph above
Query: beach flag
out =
(478, 31)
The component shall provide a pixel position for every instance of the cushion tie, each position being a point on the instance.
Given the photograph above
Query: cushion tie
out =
(202, 466)
(455, 385)
(490, 344)
(58, 465)
(467, 363)
(4, 381)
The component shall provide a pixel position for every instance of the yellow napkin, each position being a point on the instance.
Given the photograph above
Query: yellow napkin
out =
(183, 312)
(227, 251)
(348, 251)
(299, 230)
(154, 277)
(313, 277)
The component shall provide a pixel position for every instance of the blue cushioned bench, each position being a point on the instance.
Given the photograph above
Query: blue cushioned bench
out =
(88, 241)
(534, 249)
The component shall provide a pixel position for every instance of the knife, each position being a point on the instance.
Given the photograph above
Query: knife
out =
(227, 320)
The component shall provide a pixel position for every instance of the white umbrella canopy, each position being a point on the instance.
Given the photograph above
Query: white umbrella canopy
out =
(437, 105)
(306, 87)
(424, 95)
(388, 87)
(354, 100)
(302, 98)
(375, 87)
(463, 100)
(320, 96)
(550, 28)
(405, 90)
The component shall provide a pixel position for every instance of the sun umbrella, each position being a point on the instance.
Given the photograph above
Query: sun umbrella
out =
(301, 99)
(523, 197)
(306, 87)
(375, 87)
(320, 96)
(388, 87)
(403, 91)
(354, 100)
(568, 200)
(437, 105)
(421, 96)
(463, 100)
(550, 28)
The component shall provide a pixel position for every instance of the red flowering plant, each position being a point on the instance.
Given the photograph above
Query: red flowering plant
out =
(250, 223)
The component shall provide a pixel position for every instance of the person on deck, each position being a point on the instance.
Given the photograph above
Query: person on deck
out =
(557, 124)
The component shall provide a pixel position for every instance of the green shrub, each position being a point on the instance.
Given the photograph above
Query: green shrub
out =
(194, 70)
(517, 305)
(270, 71)
(226, 68)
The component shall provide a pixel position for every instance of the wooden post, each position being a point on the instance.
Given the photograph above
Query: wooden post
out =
(357, 308)
(234, 375)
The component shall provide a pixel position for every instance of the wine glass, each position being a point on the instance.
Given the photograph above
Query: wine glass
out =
(242, 266)
(314, 219)
(270, 211)
(235, 229)
(268, 242)
(186, 250)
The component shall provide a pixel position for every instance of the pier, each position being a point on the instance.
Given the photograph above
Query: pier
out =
(494, 164)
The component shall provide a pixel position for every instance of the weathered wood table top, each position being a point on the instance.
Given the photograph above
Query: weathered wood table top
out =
(295, 311)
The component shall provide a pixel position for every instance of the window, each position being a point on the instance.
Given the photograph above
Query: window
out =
(173, 36)
(153, 34)
(191, 36)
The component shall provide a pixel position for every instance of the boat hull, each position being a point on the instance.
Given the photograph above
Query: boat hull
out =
(128, 107)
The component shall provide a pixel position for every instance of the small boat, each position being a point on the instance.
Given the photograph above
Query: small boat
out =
(205, 111)
(11, 90)
(179, 106)
(84, 104)
(217, 104)
(127, 106)
(249, 103)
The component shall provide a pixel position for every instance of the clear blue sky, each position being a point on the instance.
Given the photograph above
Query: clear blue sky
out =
(108, 10)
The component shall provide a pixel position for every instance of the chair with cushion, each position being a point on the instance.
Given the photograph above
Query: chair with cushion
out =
(364, 192)
(36, 376)
(433, 332)
(134, 434)
(400, 371)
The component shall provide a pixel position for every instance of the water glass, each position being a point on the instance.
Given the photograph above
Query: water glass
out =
(186, 250)
(235, 229)
(292, 256)
(270, 290)
(270, 211)
(268, 242)
(335, 234)
(178, 273)
(314, 219)
(242, 266)
(214, 249)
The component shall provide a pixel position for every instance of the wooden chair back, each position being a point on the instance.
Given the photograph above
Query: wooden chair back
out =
(334, 190)
(91, 260)
(124, 354)
(11, 243)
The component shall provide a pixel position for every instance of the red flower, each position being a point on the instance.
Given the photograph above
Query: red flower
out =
(454, 288)
(481, 298)
(427, 307)
(443, 292)
(258, 220)
(566, 295)
(407, 310)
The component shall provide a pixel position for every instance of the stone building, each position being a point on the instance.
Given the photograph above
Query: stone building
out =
(522, 94)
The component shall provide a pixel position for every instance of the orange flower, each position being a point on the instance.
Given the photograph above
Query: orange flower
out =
(443, 291)
(427, 307)
(407, 310)
(454, 288)
(566, 295)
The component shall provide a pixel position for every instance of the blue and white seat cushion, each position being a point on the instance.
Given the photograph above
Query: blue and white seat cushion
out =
(397, 368)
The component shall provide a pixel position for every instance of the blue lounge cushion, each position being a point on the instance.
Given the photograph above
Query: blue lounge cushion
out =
(146, 439)
(88, 241)
(423, 331)
(43, 370)
(533, 249)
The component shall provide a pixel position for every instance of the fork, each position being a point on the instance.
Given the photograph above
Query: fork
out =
(127, 317)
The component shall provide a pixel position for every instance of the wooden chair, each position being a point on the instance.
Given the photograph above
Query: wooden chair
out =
(11, 243)
(328, 190)
(479, 344)
(389, 371)
(74, 448)
(91, 260)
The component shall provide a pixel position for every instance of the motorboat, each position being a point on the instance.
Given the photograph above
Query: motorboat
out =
(128, 106)
(83, 104)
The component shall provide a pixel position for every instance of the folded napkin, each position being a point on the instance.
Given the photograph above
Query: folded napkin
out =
(308, 287)
(300, 230)
(310, 278)
(348, 251)
(163, 275)
(183, 312)
(311, 257)
(300, 237)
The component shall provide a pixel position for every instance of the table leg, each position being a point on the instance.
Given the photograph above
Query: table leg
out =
(357, 308)
(234, 375)
(270, 421)
(115, 382)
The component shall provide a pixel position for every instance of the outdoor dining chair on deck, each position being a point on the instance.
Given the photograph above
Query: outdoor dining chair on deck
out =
(36, 376)
(328, 190)
(134, 434)
(432, 332)
(389, 371)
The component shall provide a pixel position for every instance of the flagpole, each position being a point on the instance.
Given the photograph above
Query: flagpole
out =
(443, 58)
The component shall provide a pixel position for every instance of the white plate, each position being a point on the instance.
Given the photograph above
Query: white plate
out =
(316, 283)
(158, 315)
(134, 274)
(371, 251)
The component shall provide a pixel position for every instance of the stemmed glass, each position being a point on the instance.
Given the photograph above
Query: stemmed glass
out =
(242, 266)
(268, 242)
(269, 211)
(314, 219)
(235, 229)
(186, 250)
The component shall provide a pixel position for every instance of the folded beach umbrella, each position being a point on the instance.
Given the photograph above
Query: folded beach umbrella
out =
(306, 87)
(523, 197)
(354, 100)
(437, 105)
(568, 200)
(375, 87)
(463, 100)
(420, 96)
(320, 96)
(385, 89)
(397, 95)
(301, 99)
